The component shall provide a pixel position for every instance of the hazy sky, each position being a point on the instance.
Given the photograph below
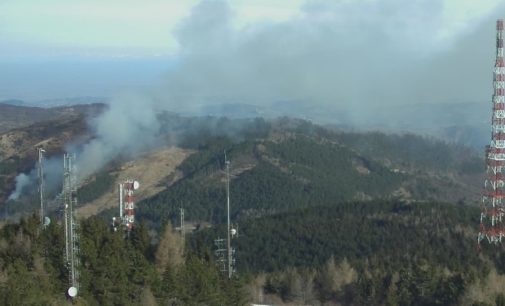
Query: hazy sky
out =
(111, 28)
(119, 28)
(57, 48)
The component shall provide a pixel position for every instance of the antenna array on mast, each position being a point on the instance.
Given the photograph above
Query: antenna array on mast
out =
(493, 210)
(126, 205)
(71, 236)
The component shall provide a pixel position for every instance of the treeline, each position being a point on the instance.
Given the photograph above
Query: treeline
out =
(115, 270)
(341, 282)
(411, 151)
(367, 253)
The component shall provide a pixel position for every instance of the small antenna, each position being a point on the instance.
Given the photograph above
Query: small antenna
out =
(183, 230)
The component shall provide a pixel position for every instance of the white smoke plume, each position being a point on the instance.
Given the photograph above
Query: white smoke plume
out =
(28, 183)
(352, 55)
(126, 127)
(23, 181)
(356, 56)
(344, 55)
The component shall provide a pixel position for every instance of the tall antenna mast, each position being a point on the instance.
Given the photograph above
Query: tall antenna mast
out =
(492, 212)
(225, 256)
(71, 237)
(228, 228)
(41, 186)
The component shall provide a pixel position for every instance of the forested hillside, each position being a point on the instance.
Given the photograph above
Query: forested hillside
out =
(325, 217)
(114, 270)
(367, 253)
(328, 165)
(297, 164)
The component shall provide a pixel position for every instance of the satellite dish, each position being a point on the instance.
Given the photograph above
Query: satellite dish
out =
(136, 185)
(233, 232)
(72, 291)
(47, 221)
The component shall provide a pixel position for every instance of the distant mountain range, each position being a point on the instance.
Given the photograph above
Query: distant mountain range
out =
(463, 123)
(374, 164)
(17, 114)
(57, 102)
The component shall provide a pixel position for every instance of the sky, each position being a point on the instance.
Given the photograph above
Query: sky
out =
(110, 28)
(59, 48)
(54, 49)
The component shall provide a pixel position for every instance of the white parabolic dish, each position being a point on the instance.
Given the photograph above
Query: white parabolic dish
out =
(72, 291)
(136, 185)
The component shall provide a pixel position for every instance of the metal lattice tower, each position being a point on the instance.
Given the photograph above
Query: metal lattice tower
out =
(226, 257)
(126, 206)
(41, 186)
(493, 209)
(220, 253)
(71, 237)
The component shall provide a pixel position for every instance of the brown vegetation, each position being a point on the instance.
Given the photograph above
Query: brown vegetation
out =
(155, 171)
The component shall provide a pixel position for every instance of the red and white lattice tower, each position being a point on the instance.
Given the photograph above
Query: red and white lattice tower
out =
(493, 209)
(127, 203)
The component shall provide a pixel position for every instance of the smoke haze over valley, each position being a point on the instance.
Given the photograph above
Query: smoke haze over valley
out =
(361, 64)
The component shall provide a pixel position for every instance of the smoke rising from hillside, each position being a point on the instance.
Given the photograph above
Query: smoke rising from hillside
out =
(127, 127)
(23, 181)
(28, 183)
(356, 56)
(347, 55)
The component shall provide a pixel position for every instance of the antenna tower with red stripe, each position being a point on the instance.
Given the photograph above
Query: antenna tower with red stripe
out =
(493, 208)
(126, 205)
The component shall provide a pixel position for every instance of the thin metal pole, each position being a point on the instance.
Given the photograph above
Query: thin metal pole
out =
(227, 163)
(41, 186)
